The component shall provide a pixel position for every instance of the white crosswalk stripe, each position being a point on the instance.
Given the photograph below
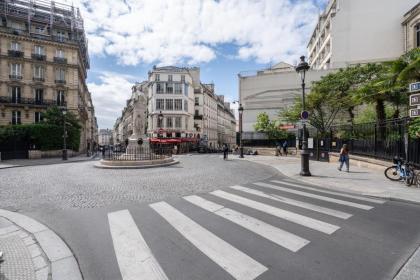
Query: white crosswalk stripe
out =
(282, 238)
(235, 262)
(280, 213)
(134, 257)
(373, 200)
(319, 197)
(301, 204)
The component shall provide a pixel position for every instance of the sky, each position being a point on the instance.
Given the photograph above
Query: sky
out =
(222, 37)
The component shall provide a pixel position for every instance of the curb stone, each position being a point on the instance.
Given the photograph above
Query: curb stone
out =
(52, 258)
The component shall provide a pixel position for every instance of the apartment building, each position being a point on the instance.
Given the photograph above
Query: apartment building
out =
(44, 62)
(105, 137)
(411, 27)
(349, 32)
(226, 123)
(205, 114)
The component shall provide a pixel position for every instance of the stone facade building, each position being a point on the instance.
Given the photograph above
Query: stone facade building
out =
(349, 32)
(44, 62)
(411, 25)
(105, 137)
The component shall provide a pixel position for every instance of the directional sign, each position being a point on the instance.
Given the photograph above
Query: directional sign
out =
(414, 113)
(415, 87)
(415, 99)
(304, 115)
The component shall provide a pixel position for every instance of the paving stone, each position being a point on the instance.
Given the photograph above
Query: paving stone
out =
(34, 250)
(42, 274)
(9, 229)
(17, 263)
(53, 246)
(4, 222)
(65, 269)
(28, 241)
(39, 262)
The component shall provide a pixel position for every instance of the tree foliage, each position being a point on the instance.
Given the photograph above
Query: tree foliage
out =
(269, 127)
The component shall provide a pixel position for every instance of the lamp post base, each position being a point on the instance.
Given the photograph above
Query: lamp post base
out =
(64, 156)
(241, 154)
(304, 167)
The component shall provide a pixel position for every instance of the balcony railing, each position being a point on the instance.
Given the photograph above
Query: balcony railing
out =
(60, 60)
(198, 117)
(14, 53)
(15, 77)
(40, 57)
(38, 79)
(31, 101)
(60, 82)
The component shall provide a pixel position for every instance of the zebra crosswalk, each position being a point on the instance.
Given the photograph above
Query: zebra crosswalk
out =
(136, 259)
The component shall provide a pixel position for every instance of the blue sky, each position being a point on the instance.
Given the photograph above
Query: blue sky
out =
(223, 38)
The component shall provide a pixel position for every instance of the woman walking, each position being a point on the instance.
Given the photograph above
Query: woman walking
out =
(344, 158)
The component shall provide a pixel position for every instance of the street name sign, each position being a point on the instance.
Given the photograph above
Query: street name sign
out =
(414, 113)
(415, 99)
(415, 87)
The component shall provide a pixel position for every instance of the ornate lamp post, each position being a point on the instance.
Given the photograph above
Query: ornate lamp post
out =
(302, 67)
(241, 147)
(64, 112)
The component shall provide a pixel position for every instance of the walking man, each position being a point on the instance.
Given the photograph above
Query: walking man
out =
(225, 151)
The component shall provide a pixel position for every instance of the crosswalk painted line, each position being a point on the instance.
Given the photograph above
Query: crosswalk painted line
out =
(319, 197)
(301, 204)
(233, 261)
(134, 257)
(280, 213)
(281, 237)
(373, 200)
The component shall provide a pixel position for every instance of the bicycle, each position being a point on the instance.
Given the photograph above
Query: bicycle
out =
(401, 171)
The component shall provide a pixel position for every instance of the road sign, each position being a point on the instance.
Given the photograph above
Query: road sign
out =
(415, 87)
(304, 115)
(415, 99)
(414, 113)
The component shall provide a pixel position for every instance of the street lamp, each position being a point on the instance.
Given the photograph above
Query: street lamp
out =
(160, 119)
(302, 67)
(241, 147)
(64, 111)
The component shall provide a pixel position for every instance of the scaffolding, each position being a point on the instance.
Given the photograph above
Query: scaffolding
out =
(49, 15)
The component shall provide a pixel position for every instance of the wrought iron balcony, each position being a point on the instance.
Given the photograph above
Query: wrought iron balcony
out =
(60, 82)
(30, 102)
(14, 53)
(15, 77)
(38, 79)
(40, 57)
(61, 60)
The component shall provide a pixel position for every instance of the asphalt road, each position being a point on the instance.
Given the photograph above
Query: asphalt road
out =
(275, 230)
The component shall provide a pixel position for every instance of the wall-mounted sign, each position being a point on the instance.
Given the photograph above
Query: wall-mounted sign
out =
(414, 87)
(414, 113)
(415, 99)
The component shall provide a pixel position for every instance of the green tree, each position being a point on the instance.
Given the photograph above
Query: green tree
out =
(269, 127)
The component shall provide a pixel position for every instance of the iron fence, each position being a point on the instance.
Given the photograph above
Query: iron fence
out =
(138, 153)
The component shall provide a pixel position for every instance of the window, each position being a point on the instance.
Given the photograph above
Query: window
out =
(159, 122)
(38, 117)
(160, 88)
(418, 35)
(197, 101)
(16, 117)
(157, 77)
(170, 78)
(59, 53)
(169, 104)
(178, 104)
(160, 104)
(186, 105)
(169, 123)
(196, 112)
(16, 70)
(60, 74)
(15, 94)
(61, 35)
(183, 78)
(39, 96)
(15, 46)
(169, 88)
(61, 98)
(186, 89)
(178, 88)
(40, 29)
(39, 72)
(39, 50)
(178, 123)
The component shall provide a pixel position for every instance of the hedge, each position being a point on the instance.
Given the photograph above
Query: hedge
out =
(40, 136)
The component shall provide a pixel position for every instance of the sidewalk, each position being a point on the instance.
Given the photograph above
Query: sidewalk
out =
(33, 252)
(43, 161)
(362, 181)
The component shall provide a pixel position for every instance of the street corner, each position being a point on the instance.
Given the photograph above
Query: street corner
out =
(31, 251)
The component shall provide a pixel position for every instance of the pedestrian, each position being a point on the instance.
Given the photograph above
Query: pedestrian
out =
(225, 151)
(344, 158)
(1, 256)
(285, 144)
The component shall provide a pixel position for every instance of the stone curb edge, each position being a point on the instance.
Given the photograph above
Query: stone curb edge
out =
(63, 264)
(98, 165)
(61, 162)
(387, 197)
(411, 268)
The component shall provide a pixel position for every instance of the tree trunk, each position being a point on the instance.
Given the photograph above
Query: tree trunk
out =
(380, 117)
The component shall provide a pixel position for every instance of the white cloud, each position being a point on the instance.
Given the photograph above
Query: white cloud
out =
(110, 95)
(188, 31)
